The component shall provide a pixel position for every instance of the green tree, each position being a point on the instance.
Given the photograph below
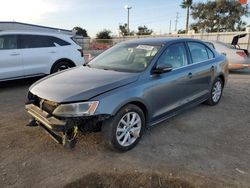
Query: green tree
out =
(187, 4)
(80, 31)
(104, 34)
(123, 29)
(221, 15)
(180, 31)
(143, 30)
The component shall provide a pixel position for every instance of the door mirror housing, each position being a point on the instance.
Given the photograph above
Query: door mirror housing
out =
(162, 68)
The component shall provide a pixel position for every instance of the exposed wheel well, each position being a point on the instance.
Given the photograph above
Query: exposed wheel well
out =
(62, 60)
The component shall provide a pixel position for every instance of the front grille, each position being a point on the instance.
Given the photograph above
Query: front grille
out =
(46, 105)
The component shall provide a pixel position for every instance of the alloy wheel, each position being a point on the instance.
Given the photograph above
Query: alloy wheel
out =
(128, 129)
(217, 90)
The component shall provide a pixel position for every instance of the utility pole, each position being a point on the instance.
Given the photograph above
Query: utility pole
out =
(128, 8)
(176, 20)
(170, 25)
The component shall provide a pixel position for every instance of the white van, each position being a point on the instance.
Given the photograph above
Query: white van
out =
(28, 54)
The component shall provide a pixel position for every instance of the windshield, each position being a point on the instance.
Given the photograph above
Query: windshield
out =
(125, 58)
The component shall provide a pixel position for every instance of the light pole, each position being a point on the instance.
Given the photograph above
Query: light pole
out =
(128, 8)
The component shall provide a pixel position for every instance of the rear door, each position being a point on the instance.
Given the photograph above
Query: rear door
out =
(203, 67)
(10, 58)
(38, 54)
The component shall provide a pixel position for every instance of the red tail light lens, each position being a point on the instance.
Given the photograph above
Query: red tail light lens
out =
(241, 53)
(80, 50)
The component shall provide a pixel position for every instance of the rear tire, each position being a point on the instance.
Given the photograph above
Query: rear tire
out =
(62, 65)
(215, 92)
(123, 131)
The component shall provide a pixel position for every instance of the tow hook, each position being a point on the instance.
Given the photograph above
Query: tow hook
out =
(69, 138)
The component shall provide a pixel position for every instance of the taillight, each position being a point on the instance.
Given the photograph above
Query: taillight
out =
(80, 50)
(241, 53)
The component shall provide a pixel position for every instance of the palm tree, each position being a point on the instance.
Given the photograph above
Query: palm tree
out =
(187, 5)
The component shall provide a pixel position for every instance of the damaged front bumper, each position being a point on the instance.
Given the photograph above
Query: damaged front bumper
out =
(62, 131)
(50, 124)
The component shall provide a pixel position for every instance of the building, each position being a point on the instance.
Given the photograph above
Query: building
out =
(31, 27)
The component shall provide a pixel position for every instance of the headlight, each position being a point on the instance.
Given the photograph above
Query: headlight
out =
(76, 109)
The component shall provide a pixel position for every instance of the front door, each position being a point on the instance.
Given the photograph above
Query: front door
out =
(172, 89)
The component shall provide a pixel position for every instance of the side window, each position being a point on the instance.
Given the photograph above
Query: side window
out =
(210, 53)
(58, 41)
(8, 42)
(210, 44)
(35, 41)
(198, 52)
(174, 55)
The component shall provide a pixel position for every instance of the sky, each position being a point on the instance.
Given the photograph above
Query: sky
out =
(95, 15)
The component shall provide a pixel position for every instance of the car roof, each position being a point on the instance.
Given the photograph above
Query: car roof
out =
(160, 40)
(7, 32)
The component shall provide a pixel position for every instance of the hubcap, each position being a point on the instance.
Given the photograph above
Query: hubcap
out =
(128, 129)
(217, 89)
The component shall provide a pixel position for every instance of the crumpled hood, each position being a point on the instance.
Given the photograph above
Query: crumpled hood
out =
(80, 83)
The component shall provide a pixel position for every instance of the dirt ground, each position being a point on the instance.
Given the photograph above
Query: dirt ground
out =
(203, 147)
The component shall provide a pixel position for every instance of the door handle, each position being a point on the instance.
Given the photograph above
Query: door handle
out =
(190, 75)
(212, 68)
(52, 52)
(14, 54)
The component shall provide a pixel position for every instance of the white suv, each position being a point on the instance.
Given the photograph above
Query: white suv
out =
(28, 54)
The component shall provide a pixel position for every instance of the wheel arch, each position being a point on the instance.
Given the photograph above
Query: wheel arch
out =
(222, 77)
(138, 103)
(62, 60)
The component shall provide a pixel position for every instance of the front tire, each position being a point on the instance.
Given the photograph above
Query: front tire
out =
(123, 131)
(215, 92)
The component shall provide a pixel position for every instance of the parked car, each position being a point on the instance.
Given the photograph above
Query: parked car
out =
(127, 88)
(28, 54)
(238, 58)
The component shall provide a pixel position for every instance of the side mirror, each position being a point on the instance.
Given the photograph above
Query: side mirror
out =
(162, 68)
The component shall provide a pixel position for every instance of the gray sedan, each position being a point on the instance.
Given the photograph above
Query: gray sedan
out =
(130, 87)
